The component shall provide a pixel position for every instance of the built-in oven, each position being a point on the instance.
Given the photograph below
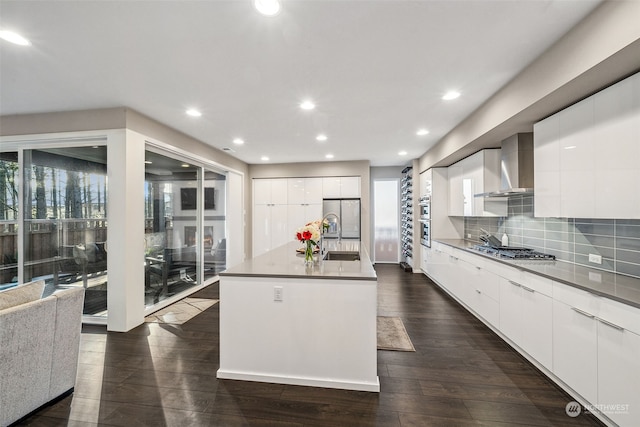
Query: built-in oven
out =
(425, 221)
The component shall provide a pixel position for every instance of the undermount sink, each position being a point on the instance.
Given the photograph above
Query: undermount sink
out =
(342, 256)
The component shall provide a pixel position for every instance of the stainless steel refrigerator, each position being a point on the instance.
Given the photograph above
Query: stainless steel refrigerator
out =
(348, 210)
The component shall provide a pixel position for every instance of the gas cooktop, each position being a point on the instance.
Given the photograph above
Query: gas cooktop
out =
(513, 252)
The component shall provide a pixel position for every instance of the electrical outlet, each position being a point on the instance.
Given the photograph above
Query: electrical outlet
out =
(468, 235)
(596, 259)
(277, 293)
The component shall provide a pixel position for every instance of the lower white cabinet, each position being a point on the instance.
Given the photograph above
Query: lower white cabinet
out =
(590, 343)
(575, 349)
(596, 351)
(619, 373)
(526, 316)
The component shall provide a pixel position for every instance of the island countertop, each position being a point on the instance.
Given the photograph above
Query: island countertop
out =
(284, 261)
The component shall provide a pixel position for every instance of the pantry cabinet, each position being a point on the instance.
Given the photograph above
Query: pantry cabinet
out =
(585, 156)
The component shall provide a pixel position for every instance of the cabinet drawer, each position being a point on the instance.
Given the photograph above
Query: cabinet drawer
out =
(503, 270)
(537, 283)
(617, 314)
(577, 298)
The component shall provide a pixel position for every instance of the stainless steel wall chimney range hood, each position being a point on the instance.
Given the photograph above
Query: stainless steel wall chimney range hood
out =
(516, 166)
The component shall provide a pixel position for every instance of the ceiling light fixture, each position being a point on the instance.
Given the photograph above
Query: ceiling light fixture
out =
(194, 113)
(402, 153)
(452, 94)
(238, 141)
(148, 162)
(264, 158)
(185, 165)
(329, 156)
(267, 7)
(321, 137)
(422, 132)
(307, 105)
(14, 38)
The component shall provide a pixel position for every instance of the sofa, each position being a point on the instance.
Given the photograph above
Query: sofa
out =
(39, 347)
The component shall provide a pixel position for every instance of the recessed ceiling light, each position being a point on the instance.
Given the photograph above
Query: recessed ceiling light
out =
(194, 113)
(422, 132)
(238, 141)
(321, 137)
(14, 38)
(452, 94)
(267, 7)
(185, 165)
(329, 156)
(264, 158)
(402, 153)
(307, 105)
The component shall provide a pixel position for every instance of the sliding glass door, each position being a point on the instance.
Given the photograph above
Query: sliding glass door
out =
(185, 237)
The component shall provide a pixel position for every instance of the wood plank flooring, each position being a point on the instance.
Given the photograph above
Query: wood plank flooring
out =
(461, 374)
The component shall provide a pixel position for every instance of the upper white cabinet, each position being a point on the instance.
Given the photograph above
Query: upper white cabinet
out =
(270, 191)
(586, 156)
(478, 173)
(340, 187)
(303, 191)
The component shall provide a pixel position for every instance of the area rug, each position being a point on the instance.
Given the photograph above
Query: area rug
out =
(392, 335)
(182, 311)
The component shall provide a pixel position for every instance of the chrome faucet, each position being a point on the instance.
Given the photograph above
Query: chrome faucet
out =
(322, 231)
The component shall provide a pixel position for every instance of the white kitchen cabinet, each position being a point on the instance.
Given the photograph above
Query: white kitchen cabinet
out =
(456, 196)
(547, 167)
(478, 173)
(341, 187)
(596, 351)
(575, 349)
(270, 227)
(584, 156)
(270, 191)
(301, 214)
(526, 315)
(303, 191)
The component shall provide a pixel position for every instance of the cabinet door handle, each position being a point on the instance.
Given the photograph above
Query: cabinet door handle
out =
(515, 284)
(453, 258)
(478, 268)
(613, 325)
(527, 289)
(478, 291)
(584, 313)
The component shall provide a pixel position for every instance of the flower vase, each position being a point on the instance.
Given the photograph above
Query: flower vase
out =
(308, 253)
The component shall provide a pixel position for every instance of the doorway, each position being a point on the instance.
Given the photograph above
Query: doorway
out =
(386, 221)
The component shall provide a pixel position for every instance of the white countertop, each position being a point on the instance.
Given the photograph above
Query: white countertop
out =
(284, 261)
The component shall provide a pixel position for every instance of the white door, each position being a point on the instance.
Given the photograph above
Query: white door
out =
(386, 235)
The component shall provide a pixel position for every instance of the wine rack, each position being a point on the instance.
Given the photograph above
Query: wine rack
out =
(406, 236)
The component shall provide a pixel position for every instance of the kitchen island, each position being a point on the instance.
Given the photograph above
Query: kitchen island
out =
(287, 323)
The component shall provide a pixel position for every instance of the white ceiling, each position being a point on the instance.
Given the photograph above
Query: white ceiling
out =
(375, 69)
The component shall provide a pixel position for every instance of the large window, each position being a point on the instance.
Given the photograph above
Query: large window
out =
(184, 226)
(65, 221)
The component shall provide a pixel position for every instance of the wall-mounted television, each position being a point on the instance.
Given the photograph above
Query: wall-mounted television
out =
(189, 198)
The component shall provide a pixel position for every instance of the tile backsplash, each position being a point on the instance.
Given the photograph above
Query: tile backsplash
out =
(617, 241)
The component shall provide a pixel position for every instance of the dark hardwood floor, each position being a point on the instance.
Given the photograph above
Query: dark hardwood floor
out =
(461, 374)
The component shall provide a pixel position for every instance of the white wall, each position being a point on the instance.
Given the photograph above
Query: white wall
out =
(601, 50)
